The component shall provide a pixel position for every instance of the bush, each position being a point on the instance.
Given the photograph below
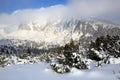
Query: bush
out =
(2, 60)
(23, 56)
(109, 45)
(71, 57)
(60, 68)
(93, 55)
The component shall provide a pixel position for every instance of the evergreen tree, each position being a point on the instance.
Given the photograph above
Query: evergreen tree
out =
(108, 44)
(70, 57)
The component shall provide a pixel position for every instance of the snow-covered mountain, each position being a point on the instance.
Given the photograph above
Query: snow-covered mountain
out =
(61, 31)
(26, 45)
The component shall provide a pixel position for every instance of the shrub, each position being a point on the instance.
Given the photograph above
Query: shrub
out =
(107, 44)
(70, 57)
(60, 68)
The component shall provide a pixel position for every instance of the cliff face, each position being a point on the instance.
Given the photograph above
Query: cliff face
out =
(60, 32)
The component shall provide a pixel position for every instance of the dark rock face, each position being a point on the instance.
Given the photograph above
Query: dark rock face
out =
(92, 30)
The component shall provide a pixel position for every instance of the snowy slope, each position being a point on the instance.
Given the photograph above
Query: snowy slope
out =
(42, 71)
(60, 32)
(49, 37)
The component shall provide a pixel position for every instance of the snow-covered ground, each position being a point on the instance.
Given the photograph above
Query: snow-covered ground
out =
(42, 71)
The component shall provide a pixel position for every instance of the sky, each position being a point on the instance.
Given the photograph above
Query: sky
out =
(9, 6)
(15, 12)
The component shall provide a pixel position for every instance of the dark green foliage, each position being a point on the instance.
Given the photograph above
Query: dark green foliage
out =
(60, 68)
(2, 61)
(28, 51)
(23, 56)
(108, 44)
(68, 50)
(81, 65)
(93, 56)
(71, 57)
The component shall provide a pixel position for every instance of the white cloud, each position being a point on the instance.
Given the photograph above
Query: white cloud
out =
(104, 9)
(42, 15)
(95, 8)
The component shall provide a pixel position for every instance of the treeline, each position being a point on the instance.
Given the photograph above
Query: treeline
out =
(100, 50)
(70, 55)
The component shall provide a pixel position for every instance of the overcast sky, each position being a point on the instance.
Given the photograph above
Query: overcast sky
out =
(14, 12)
(103, 9)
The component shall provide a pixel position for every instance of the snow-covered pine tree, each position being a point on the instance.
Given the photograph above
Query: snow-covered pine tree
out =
(104, 47)
(70, 57)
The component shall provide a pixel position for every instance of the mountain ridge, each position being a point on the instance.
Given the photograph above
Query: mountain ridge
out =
(61, 31)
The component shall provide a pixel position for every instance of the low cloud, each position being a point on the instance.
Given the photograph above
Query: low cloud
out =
(42, 15)
(102, 9)
(95, 8)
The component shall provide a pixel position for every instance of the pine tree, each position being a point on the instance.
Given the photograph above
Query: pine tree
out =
(70, 57)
